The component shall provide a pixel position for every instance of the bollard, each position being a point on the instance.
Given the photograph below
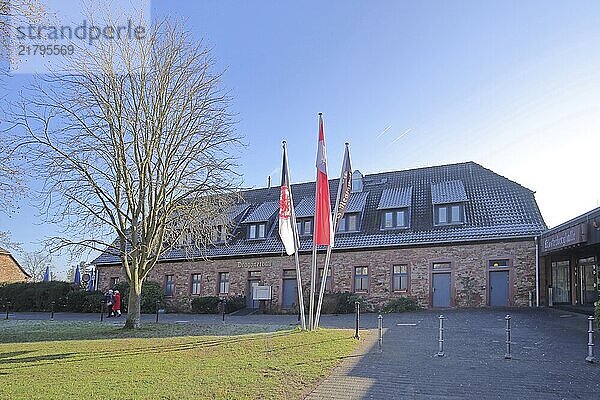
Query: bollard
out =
(440, 352)
(52, 311)
(590, 357)
(157, 307)
(380, 330)
(357, 305)
(507, 356)
(102, 309)
(7, 308)
(224, 306)
(530, 299)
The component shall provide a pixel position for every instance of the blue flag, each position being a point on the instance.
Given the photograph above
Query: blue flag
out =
(47, 275)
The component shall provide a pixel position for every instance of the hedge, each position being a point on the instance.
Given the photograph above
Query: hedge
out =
(212, 304)
(342, 303)
(38, 296)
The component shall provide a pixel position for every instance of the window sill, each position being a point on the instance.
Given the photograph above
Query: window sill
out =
(398, 228)
(449, 224)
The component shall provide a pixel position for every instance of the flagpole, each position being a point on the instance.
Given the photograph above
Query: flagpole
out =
(328, 256)
(296, 244)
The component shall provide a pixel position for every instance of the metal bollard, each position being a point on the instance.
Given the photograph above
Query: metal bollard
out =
(7, 308)
(224, 307)
(507, 356)
(440, 352)
(357, 305)
(102, 309)
(530, 299)
(52, 311)
(380, 331)
(590, 358)
(157, 308)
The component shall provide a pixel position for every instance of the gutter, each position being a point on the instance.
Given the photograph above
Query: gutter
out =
(537, 271)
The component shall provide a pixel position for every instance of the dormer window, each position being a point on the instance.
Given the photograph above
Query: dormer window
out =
(220, 234)
(304, 226)
(349, 223)
(394, 219)
(257, 231)
(449, 214)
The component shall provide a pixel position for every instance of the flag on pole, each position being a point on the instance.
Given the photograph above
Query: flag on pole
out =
(344, 189)
(287, 217)
(47, 275)
(323, 228)
(77, 277)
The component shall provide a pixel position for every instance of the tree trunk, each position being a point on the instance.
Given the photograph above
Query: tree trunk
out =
(134, 314)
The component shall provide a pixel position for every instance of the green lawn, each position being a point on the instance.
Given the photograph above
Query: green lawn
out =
(276, 365)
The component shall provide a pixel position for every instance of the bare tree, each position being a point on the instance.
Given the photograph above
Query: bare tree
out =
(12, 14)
(35, 264)
(138, 146)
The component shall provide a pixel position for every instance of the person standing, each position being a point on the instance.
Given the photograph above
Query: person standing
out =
(110, 300)
(117, 304)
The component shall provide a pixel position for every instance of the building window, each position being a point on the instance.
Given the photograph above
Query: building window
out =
(195, 283)
(220, 234)
(113, 281)
(503, 263)
(441, 265)
(361, 279)
(304, 227)
(400, 278)
(223, 282)
(254, 275)
(448, 214)
(393, 219)
(349, 223)
(169, 285)
(327, 280)
(257, 231)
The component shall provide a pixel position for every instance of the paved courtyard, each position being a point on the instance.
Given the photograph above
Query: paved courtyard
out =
(548, 354)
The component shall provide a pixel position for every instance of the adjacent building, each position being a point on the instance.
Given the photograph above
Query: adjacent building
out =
(569, 256)
(455, 235)
(10, 270)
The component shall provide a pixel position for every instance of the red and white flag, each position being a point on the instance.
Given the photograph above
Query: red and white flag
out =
(323, 233)
(287, 217)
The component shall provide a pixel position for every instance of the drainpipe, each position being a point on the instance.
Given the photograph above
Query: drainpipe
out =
(537, 271)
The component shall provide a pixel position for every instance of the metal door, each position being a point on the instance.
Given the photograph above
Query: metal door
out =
(290, 293)
(499, 288)
(250, 302)
(441, 290)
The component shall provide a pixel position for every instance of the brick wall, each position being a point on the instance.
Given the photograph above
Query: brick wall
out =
(469, 273)
(9, 270)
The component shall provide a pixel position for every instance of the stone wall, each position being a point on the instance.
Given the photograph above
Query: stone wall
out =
(9, 270)
(469, 273)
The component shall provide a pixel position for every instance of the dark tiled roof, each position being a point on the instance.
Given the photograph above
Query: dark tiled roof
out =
(306, 207)
(262, 213)
(495, 207)
(356, 203)
(448, 192)
(395, 198)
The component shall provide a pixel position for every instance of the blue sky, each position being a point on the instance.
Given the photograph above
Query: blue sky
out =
(514, 86)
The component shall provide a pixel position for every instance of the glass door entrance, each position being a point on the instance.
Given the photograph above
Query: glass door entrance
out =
(587, 272)
(561, 282)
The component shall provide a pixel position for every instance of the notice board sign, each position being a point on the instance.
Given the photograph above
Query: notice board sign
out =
(261, 293)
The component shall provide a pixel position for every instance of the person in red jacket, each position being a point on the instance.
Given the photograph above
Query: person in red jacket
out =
(117, 304)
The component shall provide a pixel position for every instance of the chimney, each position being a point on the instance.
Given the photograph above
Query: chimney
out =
(269, 182)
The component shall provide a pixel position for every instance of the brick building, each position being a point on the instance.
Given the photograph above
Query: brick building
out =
(451, 235)
(10, 270)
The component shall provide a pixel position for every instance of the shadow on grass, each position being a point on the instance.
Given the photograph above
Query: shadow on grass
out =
(48, 357)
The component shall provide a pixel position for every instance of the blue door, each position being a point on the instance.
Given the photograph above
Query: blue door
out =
(250, 302)
(290, 293)
(498, 288)
(441, 290)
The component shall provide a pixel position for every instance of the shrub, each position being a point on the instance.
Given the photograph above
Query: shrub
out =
(343, 303)
(401, 304)
(205, 305)
(83, 301)
(151, 293)
(212, 304)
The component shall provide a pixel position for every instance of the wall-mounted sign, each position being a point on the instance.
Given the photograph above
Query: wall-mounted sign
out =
(567, 237)
(254, 264)
(261, 293)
